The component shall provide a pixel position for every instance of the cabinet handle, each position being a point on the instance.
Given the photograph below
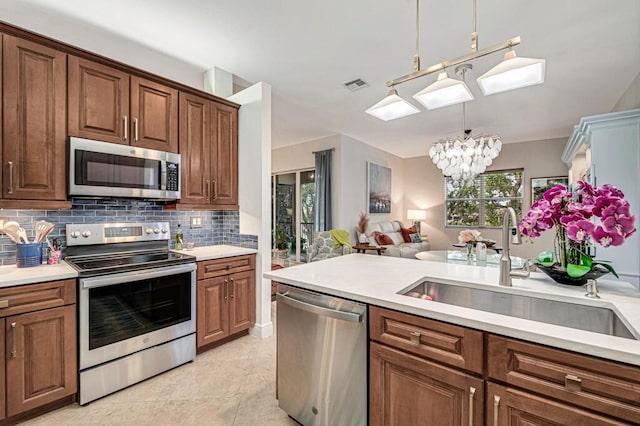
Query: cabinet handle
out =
(13, 331)
(215, 190)
(135, 129)
(207, 189)
(472, 393)
(572, 383)
(226, 289)
(496, 403)
(125, 127)
(4, 304)
(415, 337)
(10, 189)
(233, 289)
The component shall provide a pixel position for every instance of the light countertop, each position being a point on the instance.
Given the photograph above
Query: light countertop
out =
(217, 251)
(376, 280)
(11, 275)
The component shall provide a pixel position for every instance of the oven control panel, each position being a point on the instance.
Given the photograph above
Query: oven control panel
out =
(106, 233)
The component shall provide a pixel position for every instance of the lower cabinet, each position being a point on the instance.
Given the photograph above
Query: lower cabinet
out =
(425, 372)
(509, 406)
(408, 390)
(39, 360)
(226, 303)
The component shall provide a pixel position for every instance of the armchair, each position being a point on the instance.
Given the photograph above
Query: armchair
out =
(322, 247)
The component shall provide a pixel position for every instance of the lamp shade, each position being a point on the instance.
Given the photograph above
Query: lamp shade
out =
(512, 73)
(392, 107)
(444, 92)
(416, 214)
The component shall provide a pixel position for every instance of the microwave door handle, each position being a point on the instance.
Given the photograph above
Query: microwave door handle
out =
(163, 175)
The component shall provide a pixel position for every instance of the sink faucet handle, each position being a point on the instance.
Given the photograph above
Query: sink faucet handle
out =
(592, 289)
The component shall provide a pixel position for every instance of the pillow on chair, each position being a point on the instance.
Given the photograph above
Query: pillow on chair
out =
(408, 231)
(415, 238)
(382, 239)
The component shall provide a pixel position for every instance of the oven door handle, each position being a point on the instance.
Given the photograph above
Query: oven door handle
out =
(126, 277)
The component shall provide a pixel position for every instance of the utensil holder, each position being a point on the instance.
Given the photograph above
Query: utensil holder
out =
(28, 255)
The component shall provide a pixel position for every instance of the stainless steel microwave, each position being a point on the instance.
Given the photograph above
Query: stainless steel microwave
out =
(101, 169)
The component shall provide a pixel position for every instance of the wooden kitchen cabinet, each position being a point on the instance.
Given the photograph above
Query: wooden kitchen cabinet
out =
(34, 125)
(209, 150)
(195, 146)
(408, 390)
(39, 361)
(509, 406)
(225, 298)
(110, 105)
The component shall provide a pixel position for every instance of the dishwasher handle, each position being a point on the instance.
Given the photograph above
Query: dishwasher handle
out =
(318, 310)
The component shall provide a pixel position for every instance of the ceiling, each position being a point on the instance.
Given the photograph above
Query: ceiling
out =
(307, 49)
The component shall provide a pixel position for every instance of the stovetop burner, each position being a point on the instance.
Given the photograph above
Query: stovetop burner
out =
(109, 248)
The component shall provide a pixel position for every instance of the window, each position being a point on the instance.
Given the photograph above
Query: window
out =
(293, 200)
(482, 204)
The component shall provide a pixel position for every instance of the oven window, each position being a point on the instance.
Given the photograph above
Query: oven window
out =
(99, 169)
(121, 311)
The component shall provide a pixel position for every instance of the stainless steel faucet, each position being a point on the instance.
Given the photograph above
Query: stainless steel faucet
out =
(505, 260)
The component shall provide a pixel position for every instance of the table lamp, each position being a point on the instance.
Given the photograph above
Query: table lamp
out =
(417, 216)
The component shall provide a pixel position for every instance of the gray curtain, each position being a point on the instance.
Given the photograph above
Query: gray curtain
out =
(322, 217)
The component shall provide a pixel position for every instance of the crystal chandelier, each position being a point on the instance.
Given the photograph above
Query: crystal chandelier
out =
(464, 158)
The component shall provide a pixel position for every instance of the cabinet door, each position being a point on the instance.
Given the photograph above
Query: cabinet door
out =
(98, 101)
(3, 389)
(408, 390)
(34, 130)
(212, 310)
(507, 406)
(224, 144)
(154, 115)
(195, 149)
(41, 357)
(242, 301)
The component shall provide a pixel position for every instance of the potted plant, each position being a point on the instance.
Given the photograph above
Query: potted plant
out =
(361, 228)
(281, 242)
(573, 215)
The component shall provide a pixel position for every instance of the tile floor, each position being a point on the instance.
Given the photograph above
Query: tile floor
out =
(233, 384)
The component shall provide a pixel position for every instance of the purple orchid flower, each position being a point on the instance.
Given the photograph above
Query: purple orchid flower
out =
(580, 230)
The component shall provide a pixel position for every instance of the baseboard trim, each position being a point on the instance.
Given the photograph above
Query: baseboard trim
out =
(262, 330)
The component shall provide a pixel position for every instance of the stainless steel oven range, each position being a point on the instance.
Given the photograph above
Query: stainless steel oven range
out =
(136, 304)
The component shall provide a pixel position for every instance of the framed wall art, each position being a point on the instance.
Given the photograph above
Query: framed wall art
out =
(541, 184)
(378, 188)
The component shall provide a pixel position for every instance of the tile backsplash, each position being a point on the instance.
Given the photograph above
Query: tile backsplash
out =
(218, 227)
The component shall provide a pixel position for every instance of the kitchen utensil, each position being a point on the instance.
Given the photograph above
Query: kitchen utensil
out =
(23, 234)
(11, 230)
(42, 229)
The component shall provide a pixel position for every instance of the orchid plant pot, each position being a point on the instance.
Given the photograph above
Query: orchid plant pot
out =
(582, 218)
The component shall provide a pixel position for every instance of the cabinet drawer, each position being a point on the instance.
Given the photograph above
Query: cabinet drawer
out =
(228, 265)
(33, 297)
(603, 386)
(450, 344)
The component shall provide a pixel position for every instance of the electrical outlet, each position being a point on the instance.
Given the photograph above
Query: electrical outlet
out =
(196, 222)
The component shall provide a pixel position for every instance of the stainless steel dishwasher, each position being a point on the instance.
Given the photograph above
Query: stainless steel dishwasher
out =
(322, 358)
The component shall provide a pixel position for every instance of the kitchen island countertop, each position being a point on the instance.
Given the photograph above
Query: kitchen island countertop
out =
(377, 280)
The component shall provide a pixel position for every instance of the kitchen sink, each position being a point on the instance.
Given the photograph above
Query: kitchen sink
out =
(573, 315)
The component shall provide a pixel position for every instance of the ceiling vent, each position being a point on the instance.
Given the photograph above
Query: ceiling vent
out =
(356, 84)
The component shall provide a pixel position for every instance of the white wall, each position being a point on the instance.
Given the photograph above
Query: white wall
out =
(630, 99)
(355, 155)
(424, 189)
(254, 176)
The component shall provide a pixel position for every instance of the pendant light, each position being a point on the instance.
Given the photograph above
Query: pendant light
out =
(444, 92)
(392, 107)
(512, 73)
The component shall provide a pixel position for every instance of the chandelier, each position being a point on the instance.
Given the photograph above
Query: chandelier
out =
(464, 158)
(512, 73)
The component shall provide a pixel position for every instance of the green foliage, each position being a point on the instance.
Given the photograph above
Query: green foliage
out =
(281, 239)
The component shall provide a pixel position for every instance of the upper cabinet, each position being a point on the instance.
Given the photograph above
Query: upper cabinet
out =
(209, 150)
(110, 105)
(33, 132)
